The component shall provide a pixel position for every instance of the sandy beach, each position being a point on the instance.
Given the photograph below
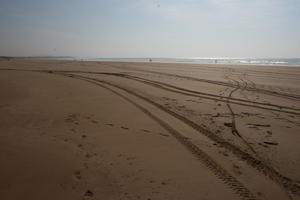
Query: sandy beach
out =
(151, 131)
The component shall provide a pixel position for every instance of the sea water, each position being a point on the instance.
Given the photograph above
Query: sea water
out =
(198, 60)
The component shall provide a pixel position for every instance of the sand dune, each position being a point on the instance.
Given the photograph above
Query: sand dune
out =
(105, 130)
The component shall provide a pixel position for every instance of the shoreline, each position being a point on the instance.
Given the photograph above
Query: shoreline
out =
(220, 62)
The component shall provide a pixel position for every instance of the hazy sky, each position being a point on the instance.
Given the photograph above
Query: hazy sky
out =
(150, 28)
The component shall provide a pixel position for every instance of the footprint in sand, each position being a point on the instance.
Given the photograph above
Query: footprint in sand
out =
(123, 127)
(77, 174)
(236, 170)
(86, 166)
(217, 115)
(88, 195)
(165, 135)
(73, 130)
(224, 153)
(163, 183)
(264, 145)
(88, 155)
(228, 124)
(109, 124)
(73, 118)
(271, 143)
(131, 158)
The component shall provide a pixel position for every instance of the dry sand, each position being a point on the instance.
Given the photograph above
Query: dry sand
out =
(104, 130)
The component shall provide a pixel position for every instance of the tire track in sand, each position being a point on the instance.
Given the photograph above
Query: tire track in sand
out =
(216, 97)
(288, 184)
(260, 90)
(171, 88)
(234, 130)
(237, 187)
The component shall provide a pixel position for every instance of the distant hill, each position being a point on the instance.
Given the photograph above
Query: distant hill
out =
(36, 57)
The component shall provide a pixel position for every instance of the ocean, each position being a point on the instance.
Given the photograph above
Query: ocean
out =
(238, 61)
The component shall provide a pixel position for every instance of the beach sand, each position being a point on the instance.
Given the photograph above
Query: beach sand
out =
(152, 131)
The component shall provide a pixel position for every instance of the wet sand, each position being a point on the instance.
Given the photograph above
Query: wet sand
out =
(105, 130)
